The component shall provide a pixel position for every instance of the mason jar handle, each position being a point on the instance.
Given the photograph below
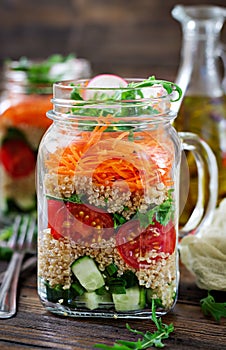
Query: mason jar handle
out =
(222, 55)
(204, 157)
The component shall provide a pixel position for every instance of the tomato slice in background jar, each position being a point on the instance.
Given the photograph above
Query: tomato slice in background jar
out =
(135, 242)
(17, 158)
(79, 221)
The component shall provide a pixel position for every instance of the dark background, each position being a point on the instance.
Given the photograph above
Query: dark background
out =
(127, 37)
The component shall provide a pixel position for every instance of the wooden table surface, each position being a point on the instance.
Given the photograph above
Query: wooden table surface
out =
(35, 328)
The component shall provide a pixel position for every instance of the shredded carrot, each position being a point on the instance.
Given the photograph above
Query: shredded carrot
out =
(108, 159)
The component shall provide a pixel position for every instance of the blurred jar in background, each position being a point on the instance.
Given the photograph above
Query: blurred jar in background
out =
(25, 99)
(203, 108)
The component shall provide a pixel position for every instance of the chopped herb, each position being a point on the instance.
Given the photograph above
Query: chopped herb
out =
(118, 220)
(116, 285)
(111, 269)
(74, 199)
(210, 307)
(147, 339)
(130, 278)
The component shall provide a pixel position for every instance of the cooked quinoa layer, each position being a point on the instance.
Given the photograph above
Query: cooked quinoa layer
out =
(56, 256)
(113, 199)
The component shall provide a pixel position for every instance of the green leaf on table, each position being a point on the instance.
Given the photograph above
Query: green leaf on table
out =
(146, 340)
(212, 308)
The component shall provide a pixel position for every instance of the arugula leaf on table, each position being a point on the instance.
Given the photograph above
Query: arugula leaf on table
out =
(147, 339)
(210, 307)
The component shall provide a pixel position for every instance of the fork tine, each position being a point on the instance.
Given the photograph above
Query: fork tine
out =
(30, 232)
(21, 242)
(22, 231)
(16, 229)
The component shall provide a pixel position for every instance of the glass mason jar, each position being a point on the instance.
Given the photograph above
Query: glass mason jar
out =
(108, 176)
(203, 108)
(26, 95)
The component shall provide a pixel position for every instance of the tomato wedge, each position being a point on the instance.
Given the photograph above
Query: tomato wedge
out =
(17, 158)
(79, 221)
(134, 243)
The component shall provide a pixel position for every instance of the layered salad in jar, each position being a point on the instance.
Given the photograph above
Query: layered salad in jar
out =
(26, 95)
(110, 243)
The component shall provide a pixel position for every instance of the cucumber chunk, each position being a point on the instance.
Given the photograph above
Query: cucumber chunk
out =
(134, 299)
(87, 273)
(93, 301)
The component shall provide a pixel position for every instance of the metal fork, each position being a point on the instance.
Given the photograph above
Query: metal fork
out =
(21, 242)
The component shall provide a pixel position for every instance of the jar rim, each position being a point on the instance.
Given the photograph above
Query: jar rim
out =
(68, 85)
(75, 99)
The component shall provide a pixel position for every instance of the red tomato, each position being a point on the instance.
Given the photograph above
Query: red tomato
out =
(135, 242)
(17, 158)
(79, 221)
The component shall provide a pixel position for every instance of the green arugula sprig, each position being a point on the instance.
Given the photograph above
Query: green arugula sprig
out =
(147, 339)
(133, 90)
(168, 86)
(210, 307)
(131, 99)
(38, 72)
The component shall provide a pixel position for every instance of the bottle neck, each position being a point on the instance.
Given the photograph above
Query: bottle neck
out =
(199, 71)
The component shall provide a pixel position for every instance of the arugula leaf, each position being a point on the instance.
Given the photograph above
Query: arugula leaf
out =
(168, 86)
(210, 307)
(38, 72)
(165, 212)
(162, 213)
(130, 101)
(74, 198)
(147, 339)
(75, 95)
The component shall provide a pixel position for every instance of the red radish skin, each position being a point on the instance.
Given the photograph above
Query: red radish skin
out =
(103, 81)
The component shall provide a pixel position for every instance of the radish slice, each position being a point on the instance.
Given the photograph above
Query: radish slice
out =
(103, 81)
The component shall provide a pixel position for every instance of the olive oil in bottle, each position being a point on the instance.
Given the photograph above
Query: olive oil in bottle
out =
(203, 108)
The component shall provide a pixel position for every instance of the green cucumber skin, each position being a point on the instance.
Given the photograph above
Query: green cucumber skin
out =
(88, 274)
(94, 301)
(134, 299)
